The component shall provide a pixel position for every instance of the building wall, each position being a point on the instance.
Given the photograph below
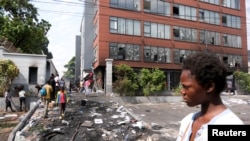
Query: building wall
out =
(78, 58)
(50, 69)
(104, 36)
(87, 37)
(248, 52)
(23, 62)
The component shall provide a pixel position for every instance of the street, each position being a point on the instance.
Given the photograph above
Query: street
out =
(101, 117)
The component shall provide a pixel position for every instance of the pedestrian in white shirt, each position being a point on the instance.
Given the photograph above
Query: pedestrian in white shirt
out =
(21, 94)
(56, 78)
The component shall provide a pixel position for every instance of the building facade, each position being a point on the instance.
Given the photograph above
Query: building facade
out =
(33, 69)
(161, 33)
(77, 57)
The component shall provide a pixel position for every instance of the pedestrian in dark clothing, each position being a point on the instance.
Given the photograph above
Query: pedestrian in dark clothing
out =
(38, 88)
(8, 101)
(53, 85)
(70, 86)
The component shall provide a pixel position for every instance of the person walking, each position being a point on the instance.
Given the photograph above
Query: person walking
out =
(82, 89)
(203, 78)
(62, 100)
(56, 78)
(70, 86)
(22, 94)
(87, 88)
(61, 83)
(47, 98)
(8, 100)
(53, 85)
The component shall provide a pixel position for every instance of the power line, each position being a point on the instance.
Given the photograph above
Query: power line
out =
(91, 15)
(101, 5)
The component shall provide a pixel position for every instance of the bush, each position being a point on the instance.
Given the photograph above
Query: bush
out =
(129, 83)
(177, 90)
(126, 83)
(152, 81)
(8, 71)
(243, 79)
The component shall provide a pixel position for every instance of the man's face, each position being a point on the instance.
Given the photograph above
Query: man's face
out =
(193, 93)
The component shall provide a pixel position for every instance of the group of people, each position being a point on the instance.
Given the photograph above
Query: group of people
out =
(55, 91)
(8, 98)
(85, 85)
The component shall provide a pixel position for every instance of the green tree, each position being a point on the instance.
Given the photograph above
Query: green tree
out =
(126, 80)
(8, 71)
(70, 73)
(152, 80)
(243, 79)
(19, 25)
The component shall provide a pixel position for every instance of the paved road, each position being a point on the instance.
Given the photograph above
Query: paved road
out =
(169, 115)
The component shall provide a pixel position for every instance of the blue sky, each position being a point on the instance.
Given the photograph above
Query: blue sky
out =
(65, 17)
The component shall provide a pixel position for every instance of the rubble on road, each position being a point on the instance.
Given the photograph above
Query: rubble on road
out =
(85, 121)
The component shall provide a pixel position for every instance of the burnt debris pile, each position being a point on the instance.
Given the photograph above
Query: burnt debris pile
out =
(92, 121)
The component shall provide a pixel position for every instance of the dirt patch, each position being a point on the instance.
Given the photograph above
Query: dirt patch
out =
(7, 124)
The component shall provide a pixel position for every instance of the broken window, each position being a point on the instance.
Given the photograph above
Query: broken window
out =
(224, 20)
(157, 54)
(225, 40)
(147, 53)
(225, 60)
(176, 10)
(202, 37)
(176, 33)
(121, 51)
(147, 5)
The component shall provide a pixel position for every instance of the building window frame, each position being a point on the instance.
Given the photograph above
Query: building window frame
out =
(157, 54)
(125, 26)
(158, 7)
(122, 51)
(157, 30)
(33, 73)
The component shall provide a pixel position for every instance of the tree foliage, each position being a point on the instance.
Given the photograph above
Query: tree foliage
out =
(19, 24)
(152, 80)
(131, 83)
(243, 79)
(70, 73)
(8, 71)
(126, 83)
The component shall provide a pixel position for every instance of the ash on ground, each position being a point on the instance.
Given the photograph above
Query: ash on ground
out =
(90, 121)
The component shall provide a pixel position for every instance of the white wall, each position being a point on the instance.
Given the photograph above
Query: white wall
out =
(23, 62)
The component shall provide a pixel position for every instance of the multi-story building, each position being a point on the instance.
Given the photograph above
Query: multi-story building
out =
(161, 33)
